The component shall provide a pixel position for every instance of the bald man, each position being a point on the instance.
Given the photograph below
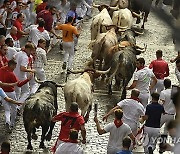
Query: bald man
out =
(12, 34)
(132, 110)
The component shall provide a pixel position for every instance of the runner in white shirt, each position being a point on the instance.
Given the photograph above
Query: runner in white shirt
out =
(132, 110)
(21, 71)
(118, 130)
(38, 32)
(39, 62)
(71, 146)
(142, 81)
(166, 101)
(11, 51)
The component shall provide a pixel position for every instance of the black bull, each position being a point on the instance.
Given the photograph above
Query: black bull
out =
(39, 110)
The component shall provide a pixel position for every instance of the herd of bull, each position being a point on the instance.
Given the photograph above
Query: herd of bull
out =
(113, 43)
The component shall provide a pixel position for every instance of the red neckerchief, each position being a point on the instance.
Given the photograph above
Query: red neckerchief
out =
(118, 123)
(41, 29)
(14, 37)
(71, 141)
(135, 98)
(140, 68)
(16, 10)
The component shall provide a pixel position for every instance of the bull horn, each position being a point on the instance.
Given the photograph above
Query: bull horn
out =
(95, 5)
(38, 81)
(136, 14)
(76, 71)
(60, 85)
(141, 48)
(114, 8)
(103, 72)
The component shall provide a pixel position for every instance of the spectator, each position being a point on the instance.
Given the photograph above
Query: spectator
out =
(70, 120)
(13, 35)
(118, 130)
(3, 58)
(126, 145)
(142, 79)
(152, 124)
(2, 40)
(132, 110)
(41, 6)
(11, 51)
(47, 15)
(177, 70)
(18, 23)
(7, 76)
(5, 148)
(3, 17)
(71, 145)
(160, 69)
(17, 10)
(68, 43)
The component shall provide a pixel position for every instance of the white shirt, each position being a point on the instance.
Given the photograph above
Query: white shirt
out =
(143, 78)
(132, 110)
(36, 35)
(11, 53)
(117, 134)
(22, 60)
(16, 42)
(169, 107)
(40, 59)
(69, 148)
(3, 12)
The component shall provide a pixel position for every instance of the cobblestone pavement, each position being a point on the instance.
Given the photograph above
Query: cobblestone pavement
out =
(157, 36)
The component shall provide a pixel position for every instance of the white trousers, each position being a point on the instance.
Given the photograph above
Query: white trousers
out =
(10, 109)
(159, 86)
(22, 93)
(68, 48)
(165, 119)
(133, 126)
(152, 135)
(40, 74)
(143, 97)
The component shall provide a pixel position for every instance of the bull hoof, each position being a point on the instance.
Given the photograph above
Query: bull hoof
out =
(34, 137)
(42, 146)
(48, 137)
(29, 147)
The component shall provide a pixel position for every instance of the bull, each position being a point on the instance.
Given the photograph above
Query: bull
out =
(138, 6)
(101, 45)
(123, 62)
(98, 22)
(39, 110)
(80, 90)
(123, 18)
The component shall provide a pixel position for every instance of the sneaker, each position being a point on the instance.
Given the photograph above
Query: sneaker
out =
(150, 150)
(64, 66)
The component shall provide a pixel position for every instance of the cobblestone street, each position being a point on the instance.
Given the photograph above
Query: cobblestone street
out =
(157, 36)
